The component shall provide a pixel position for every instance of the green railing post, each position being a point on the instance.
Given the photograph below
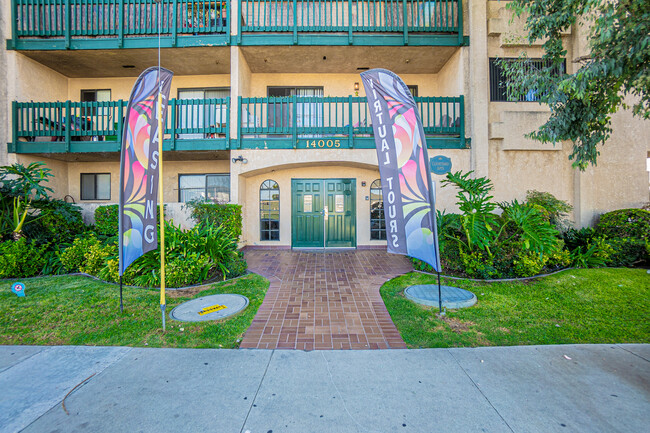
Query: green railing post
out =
(460, 23)
(228, 123)
(14, 124)
(295, 22)
(228, 18)
(14, 25)
(350, 22)
(174, 24)
(462, 121)
(239, 110)
(239, 11)
(350, 125)
(67, 24)
(120, 14)
(68, 124)
(120, 124)
(405, 23)
(294, 126)
(172, 128)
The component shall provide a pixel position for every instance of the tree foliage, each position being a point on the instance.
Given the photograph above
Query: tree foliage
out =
(617, 67)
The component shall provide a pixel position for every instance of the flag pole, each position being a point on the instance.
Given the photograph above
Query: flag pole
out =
(121, 306)
(439, 295)
(161, 136)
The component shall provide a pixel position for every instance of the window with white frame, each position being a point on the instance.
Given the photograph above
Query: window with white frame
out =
(377, 221)
(270, 211)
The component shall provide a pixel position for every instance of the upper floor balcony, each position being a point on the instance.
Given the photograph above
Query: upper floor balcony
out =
(117, 24)
(293, 122)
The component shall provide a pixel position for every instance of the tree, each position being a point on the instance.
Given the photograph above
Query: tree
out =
(617, 67)
(24, 185)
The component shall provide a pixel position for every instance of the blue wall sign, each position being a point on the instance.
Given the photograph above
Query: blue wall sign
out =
(440, 164)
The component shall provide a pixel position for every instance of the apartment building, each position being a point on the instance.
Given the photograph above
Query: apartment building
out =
(267, 109)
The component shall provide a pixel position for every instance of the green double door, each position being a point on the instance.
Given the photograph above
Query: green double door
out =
(323, 213)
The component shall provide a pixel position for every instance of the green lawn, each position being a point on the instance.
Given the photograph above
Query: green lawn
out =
(82, 311)
(577, 306)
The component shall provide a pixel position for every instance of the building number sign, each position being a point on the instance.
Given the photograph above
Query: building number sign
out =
(315, 144)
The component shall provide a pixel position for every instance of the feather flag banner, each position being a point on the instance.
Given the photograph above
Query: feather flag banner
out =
(409, 207)
(140, 164)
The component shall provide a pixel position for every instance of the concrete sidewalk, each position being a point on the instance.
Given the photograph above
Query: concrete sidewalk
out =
(584, 388)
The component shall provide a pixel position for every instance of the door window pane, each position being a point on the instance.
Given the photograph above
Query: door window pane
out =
(269, 211)
(377, 222)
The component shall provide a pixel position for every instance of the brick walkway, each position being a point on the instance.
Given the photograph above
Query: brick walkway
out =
(324, 300)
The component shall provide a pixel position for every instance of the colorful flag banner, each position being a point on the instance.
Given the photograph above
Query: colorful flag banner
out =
(139, 165)
(409, 205)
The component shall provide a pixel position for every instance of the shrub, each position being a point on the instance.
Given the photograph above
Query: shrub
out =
(73, 258)
(556, 210)
(107, 220)
(595, 255)
(226, 215)
(236, 265)
(478, 264)
(96, 257)
(529, 264)
(21, 258)
(574, 238)
(59, 221)
(627, 232)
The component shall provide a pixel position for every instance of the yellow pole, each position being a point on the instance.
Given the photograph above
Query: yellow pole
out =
(162, 207)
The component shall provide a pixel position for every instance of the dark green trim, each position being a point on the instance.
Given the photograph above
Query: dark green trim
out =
(111, 43)
(271, 143)
(248, 39)
(27, 147)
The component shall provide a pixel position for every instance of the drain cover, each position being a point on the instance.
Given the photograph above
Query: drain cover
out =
(452, 297)
(213, 307)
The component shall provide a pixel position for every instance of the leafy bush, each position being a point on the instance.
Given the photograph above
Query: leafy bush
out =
(96, 257)
(191, 257)
(21, 258)
(107, 220)
(236, 265)
(557, 210)
(626, 231)
(73, 258)
(529, 264)
(595, 255)
(59, 221)
(574, 238)
(478, 264)
(227, 215)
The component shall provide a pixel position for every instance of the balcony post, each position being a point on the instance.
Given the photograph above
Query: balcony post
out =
(460, 24)
(228, 123)
(239, 15)
(120, 14)
(172, 128)
(294, 126)
(120, 124)
(350, 22)
(239, 121)
(14, 124)
(462, 121)
(14, 25)
(68, 123)
(68, 11)
(295, 22)
(228, 17)
(350, 126)
(405, 23)
(174, 23)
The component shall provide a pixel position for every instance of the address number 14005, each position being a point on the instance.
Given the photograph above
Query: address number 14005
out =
(314, 144)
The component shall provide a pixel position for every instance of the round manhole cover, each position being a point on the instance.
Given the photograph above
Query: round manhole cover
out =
(452, 297)
(213, 307)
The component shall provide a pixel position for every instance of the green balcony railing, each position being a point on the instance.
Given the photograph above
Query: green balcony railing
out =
(70, 20)
(311, 119)
(352, 17)
(97, 126)
(203, 124)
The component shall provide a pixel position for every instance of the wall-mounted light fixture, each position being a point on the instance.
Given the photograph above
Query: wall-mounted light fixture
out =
(240, 159)
(356, 87)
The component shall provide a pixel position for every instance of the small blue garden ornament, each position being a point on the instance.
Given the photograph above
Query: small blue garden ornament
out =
(18, 289)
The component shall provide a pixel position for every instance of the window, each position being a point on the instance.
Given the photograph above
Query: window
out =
(102, 119)
(95, 186)
(309, 114)
(204, 187)
(413, 90)
(196, 113)
(96, 95)
(377, 222)
(498, 80)
(269, 211)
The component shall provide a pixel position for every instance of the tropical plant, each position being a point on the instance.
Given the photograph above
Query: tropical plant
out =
(527, 225)
(24, 184)
(556, 209)
(476, 219)
(227, 215)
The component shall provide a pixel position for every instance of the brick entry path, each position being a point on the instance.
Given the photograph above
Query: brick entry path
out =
(324, 300)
